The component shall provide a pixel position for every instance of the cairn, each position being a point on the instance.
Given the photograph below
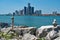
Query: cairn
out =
(54, 23)
(12, 22)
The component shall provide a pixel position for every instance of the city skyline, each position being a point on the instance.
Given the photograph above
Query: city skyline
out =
(47, 6)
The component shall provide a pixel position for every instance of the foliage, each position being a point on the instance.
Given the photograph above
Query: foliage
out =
(41, 38)
(7, 36)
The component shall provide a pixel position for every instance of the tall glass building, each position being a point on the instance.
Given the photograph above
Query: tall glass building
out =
(28, 10)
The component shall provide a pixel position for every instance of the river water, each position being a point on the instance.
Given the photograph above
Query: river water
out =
(35, 21)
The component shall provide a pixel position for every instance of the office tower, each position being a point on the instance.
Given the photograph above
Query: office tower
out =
(54, 12)
(21, 12)
(25, 8)
(17, 12)
(32, 10)
(28, 10)
(38, 12)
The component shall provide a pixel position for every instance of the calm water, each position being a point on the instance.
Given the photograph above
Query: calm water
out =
(36, 21)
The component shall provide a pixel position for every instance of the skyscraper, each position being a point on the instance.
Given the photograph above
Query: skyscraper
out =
(25, 10)
(16, 12)
(38, 12)
(32, 10)
(28, 10)
(21, 12)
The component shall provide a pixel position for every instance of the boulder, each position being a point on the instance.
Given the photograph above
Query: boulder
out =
(5, 30)
(43, 31)
(4, 25)
(22, 31)
(52, 35)
(57, 38)
(55, 33)
(28, 36)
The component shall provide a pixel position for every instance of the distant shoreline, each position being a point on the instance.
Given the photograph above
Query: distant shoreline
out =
(30, 15)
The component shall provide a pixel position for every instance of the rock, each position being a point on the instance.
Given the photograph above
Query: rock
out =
(51, 35)
(22, 31)
(25, 26)
(55, 33)
(28, 36)
(5, 30)
(59, 33)
(43, 31)
(4, 25)
(57, 38)
(2, 39)
(13, 39)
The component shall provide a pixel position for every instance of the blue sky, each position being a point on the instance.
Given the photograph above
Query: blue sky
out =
(47, 6)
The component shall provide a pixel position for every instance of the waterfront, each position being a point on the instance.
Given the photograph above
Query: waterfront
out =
(35, 21)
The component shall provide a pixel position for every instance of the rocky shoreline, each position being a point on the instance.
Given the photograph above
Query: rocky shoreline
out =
(31, 33)
(49, 32)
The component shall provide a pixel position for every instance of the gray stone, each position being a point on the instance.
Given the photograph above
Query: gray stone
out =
(28, 36)
(43, 31)
(57, 38)
(50, 32)
(22, 31)
(52, 35)
(55, 33)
